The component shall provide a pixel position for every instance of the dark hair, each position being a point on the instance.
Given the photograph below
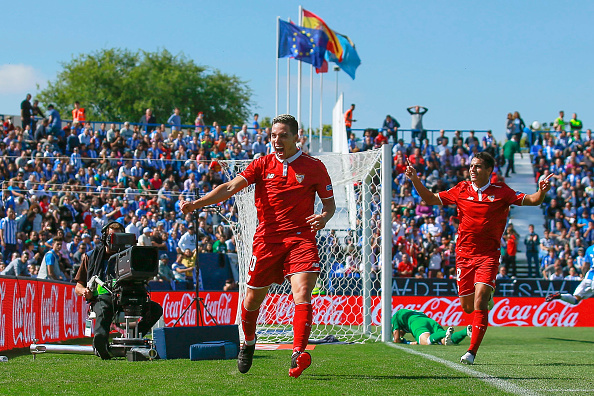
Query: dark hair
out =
(58, 239)
(287, 120)
(486, 158)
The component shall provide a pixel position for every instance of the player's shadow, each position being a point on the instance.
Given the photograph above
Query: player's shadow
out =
(563, 364)
(570, 340)
(332, 377)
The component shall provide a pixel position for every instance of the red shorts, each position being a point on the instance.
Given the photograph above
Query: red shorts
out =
(473, 270)
(273, 262)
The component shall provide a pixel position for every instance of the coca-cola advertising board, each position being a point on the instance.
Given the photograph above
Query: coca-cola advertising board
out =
(221, 305)
(50, 312)
(512, 311)
(32, 309)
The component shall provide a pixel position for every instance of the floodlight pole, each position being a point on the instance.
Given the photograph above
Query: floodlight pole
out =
(336, 69)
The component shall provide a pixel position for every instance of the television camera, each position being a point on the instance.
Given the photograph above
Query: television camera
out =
(134, 267)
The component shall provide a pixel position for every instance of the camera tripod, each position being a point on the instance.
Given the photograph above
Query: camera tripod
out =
(197, 299)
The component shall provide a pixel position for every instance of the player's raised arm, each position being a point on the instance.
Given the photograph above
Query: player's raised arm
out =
(538, 197)
(220, 193)
(427, 196)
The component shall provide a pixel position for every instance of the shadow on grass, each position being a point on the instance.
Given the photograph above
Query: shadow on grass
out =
(570, 340)
(333, 377)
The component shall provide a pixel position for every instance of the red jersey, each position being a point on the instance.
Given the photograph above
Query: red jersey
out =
(512, 246)
(482, 214)
(285, 194)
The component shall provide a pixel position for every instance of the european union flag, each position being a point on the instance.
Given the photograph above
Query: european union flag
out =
(307, 45)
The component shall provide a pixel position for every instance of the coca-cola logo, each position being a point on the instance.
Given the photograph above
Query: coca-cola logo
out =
(72, 313)
(327, 310)
(556, 313)
(172, 309)
(445, 311)
(23, 315)
(277, 309)
(220, 309)
(50, 315)
(2, 315)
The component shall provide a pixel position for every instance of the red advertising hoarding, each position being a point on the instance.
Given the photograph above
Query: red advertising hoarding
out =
(31, 309)
(347, 310)
(222, 306)
(512, 311)
(50, 312)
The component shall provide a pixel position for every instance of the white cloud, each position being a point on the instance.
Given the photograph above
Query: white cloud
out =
(16, 79)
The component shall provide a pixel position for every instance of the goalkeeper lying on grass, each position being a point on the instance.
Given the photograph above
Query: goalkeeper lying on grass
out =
(425, 330)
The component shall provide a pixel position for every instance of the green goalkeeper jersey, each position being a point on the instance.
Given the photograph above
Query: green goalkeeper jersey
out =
(403, 318)
(415, 323)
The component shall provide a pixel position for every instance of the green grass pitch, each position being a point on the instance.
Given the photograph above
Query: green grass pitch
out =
(548, 361)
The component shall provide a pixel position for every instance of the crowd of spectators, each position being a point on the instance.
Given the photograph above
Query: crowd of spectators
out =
(569, 208)
(63, 181)
(424, 236)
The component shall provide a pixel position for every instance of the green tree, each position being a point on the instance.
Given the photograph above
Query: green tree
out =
(119, 85)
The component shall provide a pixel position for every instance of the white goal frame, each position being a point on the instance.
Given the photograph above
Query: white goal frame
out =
(380, 168)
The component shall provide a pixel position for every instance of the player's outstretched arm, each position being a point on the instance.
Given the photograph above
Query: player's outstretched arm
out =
(220, 193)
(426, 195)
(318, 221)
(538, 197)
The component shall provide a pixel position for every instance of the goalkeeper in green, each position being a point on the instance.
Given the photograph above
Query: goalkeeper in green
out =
(425, 330)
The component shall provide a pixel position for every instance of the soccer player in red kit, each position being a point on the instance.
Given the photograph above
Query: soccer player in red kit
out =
(286, 184)
(483, 208)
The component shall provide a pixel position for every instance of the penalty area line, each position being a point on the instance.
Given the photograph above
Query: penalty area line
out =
(489, 379)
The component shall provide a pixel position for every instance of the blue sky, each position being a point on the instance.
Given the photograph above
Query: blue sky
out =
(469, 62)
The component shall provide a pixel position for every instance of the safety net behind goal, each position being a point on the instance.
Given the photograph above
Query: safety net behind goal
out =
(346, 302)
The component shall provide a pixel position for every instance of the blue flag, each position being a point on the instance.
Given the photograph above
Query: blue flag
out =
(307, 45)
(350, 58)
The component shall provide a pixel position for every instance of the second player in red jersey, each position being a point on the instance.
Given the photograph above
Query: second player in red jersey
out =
(483, 208)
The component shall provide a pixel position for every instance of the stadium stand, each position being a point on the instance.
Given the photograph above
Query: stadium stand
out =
(72, 181)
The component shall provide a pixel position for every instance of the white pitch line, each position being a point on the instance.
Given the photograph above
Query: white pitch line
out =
(497, 382)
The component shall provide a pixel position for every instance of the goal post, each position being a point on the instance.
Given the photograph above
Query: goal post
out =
(349, 297)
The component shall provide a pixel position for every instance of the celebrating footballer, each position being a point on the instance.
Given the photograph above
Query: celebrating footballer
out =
(483, 208)
(286, 183)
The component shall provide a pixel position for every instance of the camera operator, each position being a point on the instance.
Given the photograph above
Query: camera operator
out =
(94, 263)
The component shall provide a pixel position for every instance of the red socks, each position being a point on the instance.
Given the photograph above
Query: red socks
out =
(302, 326)
(248, 324)
(479, 327)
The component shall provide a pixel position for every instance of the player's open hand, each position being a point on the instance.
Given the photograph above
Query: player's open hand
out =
(545, 184)
(316, 221)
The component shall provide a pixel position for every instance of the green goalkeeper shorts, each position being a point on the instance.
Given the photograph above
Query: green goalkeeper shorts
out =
(420, 325)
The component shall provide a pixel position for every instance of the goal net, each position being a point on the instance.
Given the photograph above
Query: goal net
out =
(346, 302)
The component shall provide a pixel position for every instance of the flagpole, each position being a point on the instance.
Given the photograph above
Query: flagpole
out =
(321, 108)
(289, 83)
(311, 73)
(276, 57)
(299, 78)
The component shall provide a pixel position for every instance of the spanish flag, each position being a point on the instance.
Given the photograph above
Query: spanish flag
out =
(312, 21)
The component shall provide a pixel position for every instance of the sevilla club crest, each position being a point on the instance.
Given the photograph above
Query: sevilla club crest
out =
(299, 178)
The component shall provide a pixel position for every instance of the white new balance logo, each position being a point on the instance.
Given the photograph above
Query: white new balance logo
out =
(270, 176)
